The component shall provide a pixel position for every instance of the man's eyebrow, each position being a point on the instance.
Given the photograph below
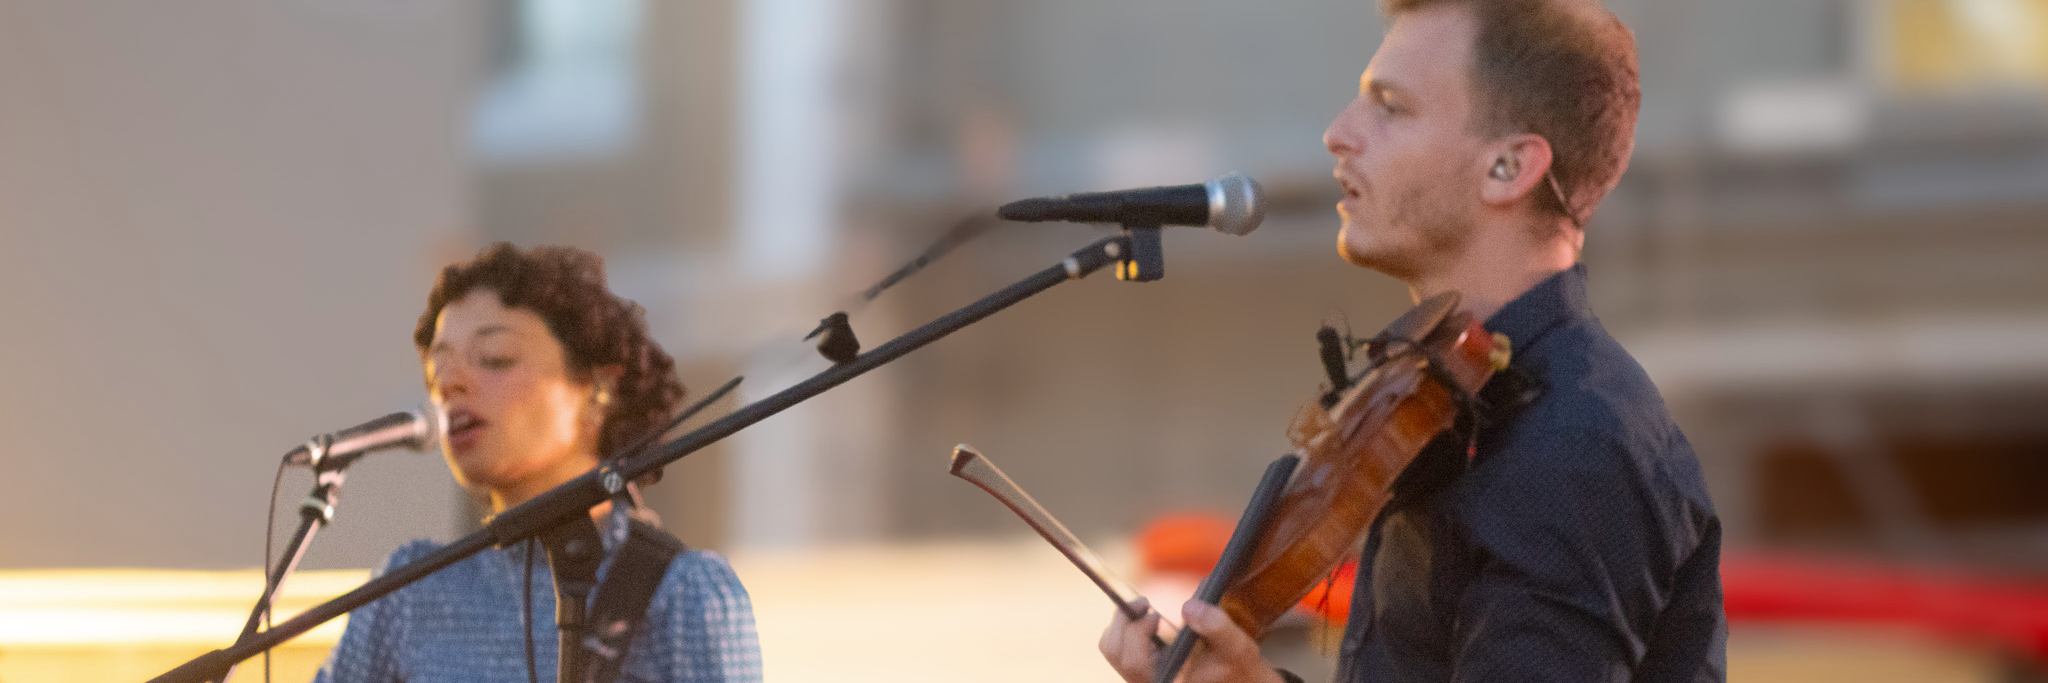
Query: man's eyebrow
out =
(1380, 86)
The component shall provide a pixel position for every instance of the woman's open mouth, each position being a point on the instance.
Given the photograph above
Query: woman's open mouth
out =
(464, 429)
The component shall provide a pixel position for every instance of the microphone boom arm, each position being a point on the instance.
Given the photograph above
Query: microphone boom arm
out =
(578, 495)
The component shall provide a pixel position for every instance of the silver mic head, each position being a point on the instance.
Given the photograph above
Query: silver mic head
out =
(430, 426)
(1236, 203)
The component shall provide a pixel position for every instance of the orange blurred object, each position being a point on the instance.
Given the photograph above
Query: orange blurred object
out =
(1192, 543)
(1183, 542)
(1331, 599)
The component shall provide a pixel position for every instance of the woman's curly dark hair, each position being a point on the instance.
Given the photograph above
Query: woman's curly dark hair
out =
(596, 328)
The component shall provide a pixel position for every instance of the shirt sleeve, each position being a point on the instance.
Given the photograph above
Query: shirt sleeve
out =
(706, 616)
(1574, 555)
(369, 647)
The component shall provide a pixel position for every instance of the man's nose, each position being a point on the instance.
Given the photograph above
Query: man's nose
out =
(1338, 136)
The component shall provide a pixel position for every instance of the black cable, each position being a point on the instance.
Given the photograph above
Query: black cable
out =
(526, 615)
(269, 530)
(959, 233)
(702, 403)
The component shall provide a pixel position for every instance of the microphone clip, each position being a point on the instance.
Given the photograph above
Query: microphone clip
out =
(1145, 260)
(320, 458)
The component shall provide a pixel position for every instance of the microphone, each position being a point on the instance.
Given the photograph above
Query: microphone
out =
(417, 429)
(1231, 203)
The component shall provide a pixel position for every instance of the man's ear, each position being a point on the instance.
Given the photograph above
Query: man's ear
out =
(1515, 166)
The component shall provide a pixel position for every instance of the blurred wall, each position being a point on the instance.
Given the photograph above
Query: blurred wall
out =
(218, 222)
(1822, 190)
(1832, 206)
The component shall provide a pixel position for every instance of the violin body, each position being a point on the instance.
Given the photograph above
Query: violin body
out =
(1352, 452)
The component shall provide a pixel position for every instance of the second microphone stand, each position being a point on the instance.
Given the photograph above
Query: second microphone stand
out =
(315, 512)
(1138, 258)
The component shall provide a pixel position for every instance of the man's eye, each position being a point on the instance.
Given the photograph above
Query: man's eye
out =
(497, 362)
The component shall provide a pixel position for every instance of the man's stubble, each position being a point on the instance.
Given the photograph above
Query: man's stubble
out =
(1444, 229)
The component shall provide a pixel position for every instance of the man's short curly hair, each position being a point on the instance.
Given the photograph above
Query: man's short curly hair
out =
(596, 328)
(1562, 69)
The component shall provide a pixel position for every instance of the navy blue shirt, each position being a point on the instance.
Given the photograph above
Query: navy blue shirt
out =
(1577, 545)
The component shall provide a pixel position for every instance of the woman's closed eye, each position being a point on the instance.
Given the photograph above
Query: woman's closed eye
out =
(498, 350)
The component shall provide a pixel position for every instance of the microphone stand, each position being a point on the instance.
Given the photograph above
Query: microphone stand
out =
(577, 496)
(317, 511)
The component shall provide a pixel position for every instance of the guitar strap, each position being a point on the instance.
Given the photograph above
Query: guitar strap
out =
(620, 608)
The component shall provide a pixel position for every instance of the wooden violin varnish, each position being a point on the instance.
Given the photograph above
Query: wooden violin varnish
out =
(1427, 365)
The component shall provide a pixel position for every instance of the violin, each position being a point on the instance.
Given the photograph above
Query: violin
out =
(1423, 370)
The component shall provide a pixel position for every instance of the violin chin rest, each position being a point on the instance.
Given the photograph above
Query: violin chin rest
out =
(1423, 319)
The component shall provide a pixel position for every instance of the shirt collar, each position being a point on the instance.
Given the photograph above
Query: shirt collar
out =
(1557, 299)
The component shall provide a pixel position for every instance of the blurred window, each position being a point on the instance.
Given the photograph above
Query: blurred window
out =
(1958, 473)
(1944, 45)
(564, 82)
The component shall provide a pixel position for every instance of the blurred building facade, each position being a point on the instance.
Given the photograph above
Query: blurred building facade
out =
(217, 223)
(1822, 251)
(1825, 253)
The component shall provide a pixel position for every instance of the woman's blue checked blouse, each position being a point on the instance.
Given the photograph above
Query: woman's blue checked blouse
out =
(462, 623)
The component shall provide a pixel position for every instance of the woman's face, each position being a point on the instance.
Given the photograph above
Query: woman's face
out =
(515, 415)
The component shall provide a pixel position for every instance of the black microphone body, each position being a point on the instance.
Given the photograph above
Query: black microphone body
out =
(415, 429)
(1232, 203)
(1170, 205)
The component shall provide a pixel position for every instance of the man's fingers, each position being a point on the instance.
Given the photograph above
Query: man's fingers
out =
(1127, 646)
(1218, 631)
(1112, 637)
(1137, 645)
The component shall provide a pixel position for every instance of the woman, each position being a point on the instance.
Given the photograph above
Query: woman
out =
(540, 372)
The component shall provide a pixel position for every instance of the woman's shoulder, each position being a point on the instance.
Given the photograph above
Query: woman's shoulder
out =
(459, 581)
(406, 554)
(707, 620)
(704, 573)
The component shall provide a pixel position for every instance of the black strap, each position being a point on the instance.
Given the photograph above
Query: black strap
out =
(622, 599)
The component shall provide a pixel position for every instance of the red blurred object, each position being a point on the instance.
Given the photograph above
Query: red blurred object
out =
(2010, 612)
(1331, 599)
(1184, 542)
(1192, 542)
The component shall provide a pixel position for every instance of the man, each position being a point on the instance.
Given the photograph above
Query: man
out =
(1579, 543)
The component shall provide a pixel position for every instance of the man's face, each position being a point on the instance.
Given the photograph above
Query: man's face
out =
(1406, 154)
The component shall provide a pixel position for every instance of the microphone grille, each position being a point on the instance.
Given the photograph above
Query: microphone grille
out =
(1236, 203)
(429, 425)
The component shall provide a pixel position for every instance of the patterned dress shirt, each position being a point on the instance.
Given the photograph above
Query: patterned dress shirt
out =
(462, 624)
